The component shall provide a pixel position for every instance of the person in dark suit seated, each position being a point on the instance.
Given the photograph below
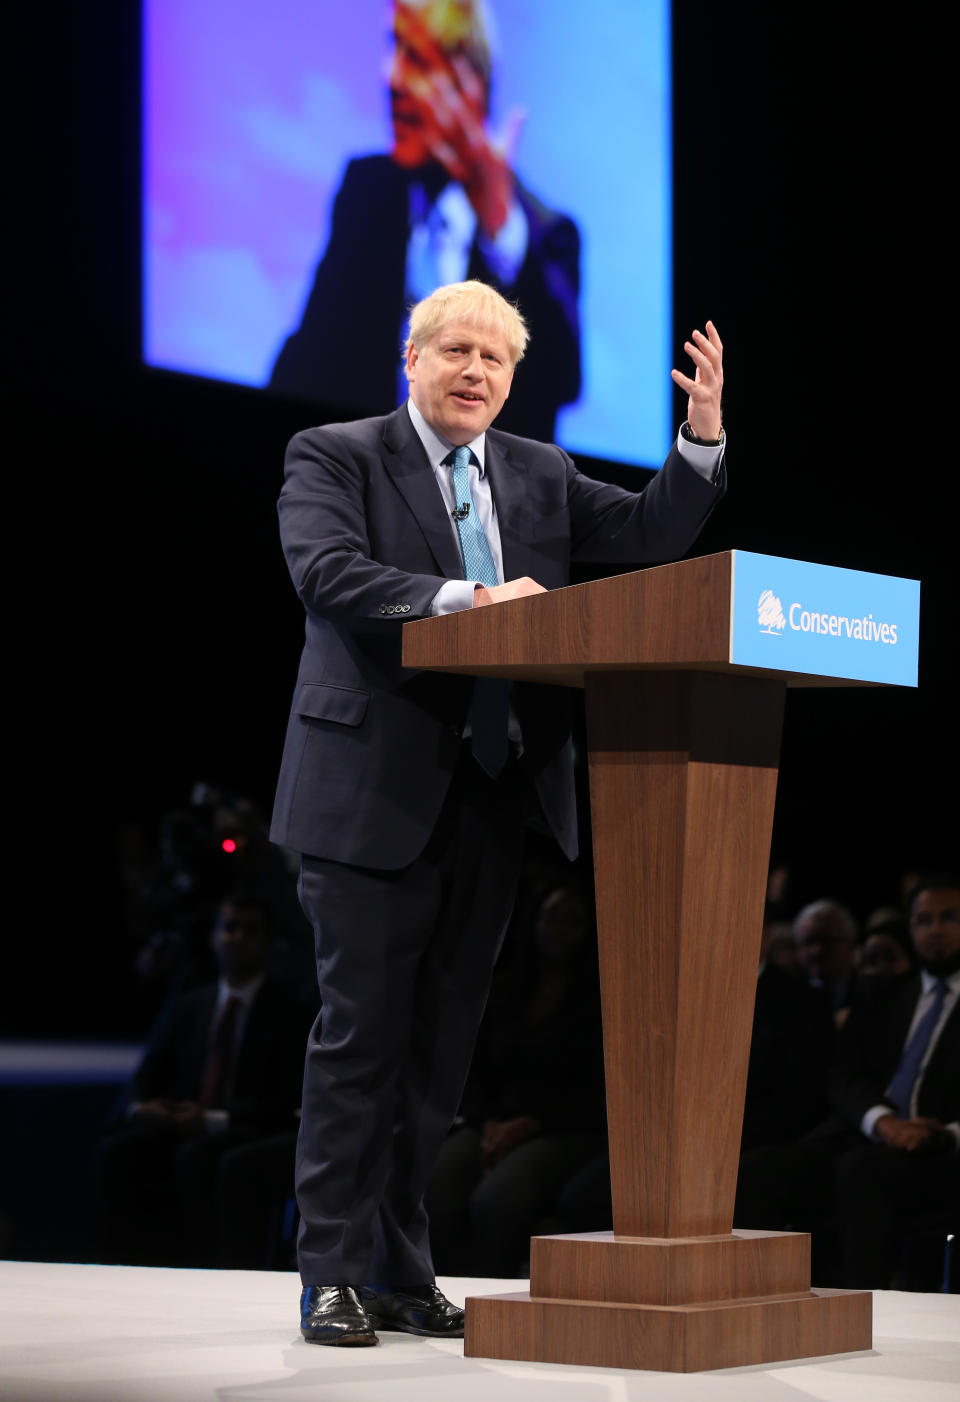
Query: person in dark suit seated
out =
(444, 205)
(255, 1208)
(533, 1110)
(891, 1150)
(222, 1066)
(886, 953)
(408, 793)
(790, 1050)
(826, 935)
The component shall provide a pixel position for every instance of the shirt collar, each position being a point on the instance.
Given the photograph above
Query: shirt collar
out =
(246, 993)
(437, 447)
(928, 980)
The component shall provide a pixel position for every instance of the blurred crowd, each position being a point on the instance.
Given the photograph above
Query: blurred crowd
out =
(840, 1137)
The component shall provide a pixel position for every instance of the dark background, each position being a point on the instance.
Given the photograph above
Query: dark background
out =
(158, 631)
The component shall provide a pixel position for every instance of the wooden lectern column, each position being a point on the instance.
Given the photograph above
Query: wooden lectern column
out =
(684, 750)
(683, 777)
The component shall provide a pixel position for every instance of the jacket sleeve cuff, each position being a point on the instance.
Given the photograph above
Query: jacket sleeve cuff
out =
(453, 597)
(705, 461)
(869, 1122)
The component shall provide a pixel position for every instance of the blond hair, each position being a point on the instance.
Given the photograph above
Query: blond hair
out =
(460, 26)
(475, 303)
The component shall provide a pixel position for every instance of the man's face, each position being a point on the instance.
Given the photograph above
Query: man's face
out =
(421, 74)
(882, 957)
(935, 929)
(240, 942)
(460, 380)
(826, 949)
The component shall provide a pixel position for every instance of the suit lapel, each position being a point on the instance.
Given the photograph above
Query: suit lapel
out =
(510, 487)
(948, 1044)
(202, 1038)
(408, 466)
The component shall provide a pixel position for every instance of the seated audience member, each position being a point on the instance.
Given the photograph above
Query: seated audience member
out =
(890, 1153)
(222, 1066)
(254, 1195)
(533, 1109)
(779, 883)
(261, 869)
(887, 917)
(826, 936)
(886, 954)
(782, 950)
(255, 1181)
(789, 1055)
(585, 1201)
(786, 1082)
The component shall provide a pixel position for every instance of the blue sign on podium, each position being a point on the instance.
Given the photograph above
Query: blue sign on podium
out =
(793, 616)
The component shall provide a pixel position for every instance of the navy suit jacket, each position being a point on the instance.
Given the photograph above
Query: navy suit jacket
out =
(869, 1049)
(371, 746)
(267, 1077)
(790, 1054)
(346, 349)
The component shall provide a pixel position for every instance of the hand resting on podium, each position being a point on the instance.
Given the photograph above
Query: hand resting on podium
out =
(499, 593)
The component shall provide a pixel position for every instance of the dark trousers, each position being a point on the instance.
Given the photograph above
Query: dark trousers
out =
(404, 963)
(482, 1216)
(254, 1186)
(881, 1196)
(866, 1195)
(158, 1191)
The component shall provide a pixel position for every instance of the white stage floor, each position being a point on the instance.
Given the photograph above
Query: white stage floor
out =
(127, 1334)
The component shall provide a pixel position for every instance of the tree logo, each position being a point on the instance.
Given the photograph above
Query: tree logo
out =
(770, 614)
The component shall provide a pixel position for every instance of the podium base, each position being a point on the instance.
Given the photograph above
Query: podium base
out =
(669, 1305)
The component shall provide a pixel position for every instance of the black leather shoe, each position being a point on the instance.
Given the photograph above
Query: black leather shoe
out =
(333, 1314)
(416, 1309)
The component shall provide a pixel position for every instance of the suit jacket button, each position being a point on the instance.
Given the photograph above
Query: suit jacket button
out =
(406, 608)
(383, 608)
(390, 608)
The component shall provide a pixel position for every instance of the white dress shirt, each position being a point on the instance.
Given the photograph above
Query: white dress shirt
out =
(928, 981)
(457, 594)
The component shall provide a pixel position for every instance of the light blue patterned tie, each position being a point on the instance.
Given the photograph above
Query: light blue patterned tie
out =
(474, 546)
(490, 708)
(900, 1089)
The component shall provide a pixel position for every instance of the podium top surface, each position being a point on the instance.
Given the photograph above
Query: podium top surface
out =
(761, 615)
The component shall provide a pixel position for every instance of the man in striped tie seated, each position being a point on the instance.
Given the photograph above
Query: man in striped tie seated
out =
(889, 1156)
(407, 794)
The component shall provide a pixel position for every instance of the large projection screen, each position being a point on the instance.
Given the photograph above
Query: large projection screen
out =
(257, 118)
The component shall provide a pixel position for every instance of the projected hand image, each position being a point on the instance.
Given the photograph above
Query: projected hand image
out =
(311, 171)
(443, 206)
(438, 105)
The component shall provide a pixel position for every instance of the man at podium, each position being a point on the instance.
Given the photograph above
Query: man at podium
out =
(407, 793)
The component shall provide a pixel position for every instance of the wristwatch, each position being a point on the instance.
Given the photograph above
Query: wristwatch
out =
(688, 436)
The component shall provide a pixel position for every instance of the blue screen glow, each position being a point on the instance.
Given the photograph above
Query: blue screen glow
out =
(252, 116)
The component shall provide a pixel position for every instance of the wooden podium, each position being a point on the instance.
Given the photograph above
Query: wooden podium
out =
(684, 749)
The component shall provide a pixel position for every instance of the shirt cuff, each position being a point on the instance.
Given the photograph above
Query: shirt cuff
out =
(505, 252)
(453, 597)
(704, 461)
(869, 1122)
